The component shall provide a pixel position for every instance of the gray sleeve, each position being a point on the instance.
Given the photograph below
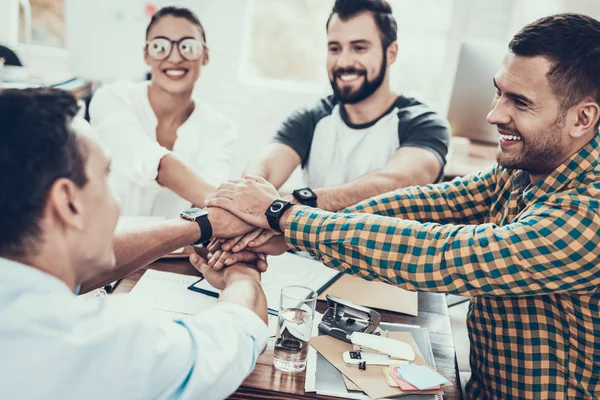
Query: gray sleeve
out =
(298, 130)
(420, 127)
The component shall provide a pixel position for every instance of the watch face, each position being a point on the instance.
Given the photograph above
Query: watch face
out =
(194, 213)
(306, 193)
(276, 206)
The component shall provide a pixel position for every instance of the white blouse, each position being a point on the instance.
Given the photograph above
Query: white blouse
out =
(123, 118)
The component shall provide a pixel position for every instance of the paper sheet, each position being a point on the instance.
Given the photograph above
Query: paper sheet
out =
(284, 270)
(167, 292)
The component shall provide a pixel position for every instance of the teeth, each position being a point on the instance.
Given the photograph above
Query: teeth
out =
(350, 77)
(175, 72)
(510, 137)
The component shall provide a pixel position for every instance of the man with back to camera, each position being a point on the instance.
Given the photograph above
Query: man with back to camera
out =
(56, 236)
(365, 139)
(522, 238)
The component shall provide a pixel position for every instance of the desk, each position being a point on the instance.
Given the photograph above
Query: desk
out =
(466, 157)
(268, 383)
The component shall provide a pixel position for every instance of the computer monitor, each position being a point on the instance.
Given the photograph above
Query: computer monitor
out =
(473, 90)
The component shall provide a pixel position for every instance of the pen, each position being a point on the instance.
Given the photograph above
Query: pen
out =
(111, 286)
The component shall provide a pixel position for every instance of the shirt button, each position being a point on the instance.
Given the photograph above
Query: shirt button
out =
(484, 242)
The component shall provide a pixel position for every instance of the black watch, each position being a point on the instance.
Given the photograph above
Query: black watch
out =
(201, 217)
(305, 196)
(274, 213)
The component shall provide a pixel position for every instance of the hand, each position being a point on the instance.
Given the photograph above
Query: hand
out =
(221, 279)
(274, 247)
(247, 199)
(252, 239)
(226, 225)
(221, 259)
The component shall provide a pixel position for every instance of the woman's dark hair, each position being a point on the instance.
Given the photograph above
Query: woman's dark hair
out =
(178, 12)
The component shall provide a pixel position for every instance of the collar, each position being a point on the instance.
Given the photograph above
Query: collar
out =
(578, 165)
(398, 103)
(24, 277)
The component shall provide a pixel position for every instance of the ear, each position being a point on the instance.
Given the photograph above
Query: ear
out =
(586, 118)
(146, 58)
(66, 204)
(392, 53)
(206, 57)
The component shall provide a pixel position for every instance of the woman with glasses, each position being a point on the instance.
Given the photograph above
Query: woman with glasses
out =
(168, 149)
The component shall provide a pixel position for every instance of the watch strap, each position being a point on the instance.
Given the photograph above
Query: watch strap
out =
(274, 216)
(206, 231)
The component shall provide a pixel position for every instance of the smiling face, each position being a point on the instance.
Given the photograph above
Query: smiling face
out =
(175, 74)
(99, 208)
(528, 116)
(356, 61)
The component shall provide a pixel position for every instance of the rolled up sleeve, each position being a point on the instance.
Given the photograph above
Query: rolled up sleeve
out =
(135, 156)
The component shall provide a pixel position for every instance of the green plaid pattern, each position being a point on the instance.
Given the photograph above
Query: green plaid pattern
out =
(528, 255)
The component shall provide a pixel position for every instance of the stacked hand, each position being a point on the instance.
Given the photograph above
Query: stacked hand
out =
(240, 228)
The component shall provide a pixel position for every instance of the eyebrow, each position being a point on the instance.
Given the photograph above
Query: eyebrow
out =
(172, 40)
(108, 167)
(359, 41)
(514, 96)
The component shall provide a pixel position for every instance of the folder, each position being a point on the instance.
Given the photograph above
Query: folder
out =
(374, 294)
(371, 381)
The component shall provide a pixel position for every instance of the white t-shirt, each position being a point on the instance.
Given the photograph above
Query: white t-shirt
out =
(335, 151)
(126, 125)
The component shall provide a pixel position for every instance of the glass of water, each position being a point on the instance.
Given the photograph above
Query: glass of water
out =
(296, 315)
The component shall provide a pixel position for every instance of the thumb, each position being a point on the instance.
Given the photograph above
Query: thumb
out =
(199, 263)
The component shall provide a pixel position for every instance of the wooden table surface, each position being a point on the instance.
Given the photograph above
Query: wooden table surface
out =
(266, 382)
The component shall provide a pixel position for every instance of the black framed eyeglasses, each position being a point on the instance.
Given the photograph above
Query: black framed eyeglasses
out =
(160, 48)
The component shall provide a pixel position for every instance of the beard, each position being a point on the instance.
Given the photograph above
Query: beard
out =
(347, 95)
(537, 156)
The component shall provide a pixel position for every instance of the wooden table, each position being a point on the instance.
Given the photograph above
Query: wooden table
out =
(268, 383)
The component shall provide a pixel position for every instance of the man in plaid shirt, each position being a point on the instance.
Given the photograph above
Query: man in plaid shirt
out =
(522, 238)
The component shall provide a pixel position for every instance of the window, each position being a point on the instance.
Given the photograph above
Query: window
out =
(47, 27)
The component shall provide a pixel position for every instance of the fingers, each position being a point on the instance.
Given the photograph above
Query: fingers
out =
(214, 245)
(256, 178)
(215, 257)
(243, 243)
(261, 264)
(221, 202)
(231, 242)
(263, 238)
(199, 263)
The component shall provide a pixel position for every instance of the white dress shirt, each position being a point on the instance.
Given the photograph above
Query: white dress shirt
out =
(55, 346)
(123, 118)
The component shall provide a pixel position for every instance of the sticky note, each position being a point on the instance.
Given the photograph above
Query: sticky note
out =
(402, 384)
(420, 376)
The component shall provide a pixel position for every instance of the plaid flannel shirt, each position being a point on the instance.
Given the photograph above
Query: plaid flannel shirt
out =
(529, 255)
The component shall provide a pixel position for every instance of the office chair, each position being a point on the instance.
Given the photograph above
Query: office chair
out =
(10, 57)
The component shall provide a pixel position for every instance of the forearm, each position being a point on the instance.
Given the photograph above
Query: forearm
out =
(134, 249)
(248, 293)
(517, 259)
(462, 201)
(183, 180)
(373, 184)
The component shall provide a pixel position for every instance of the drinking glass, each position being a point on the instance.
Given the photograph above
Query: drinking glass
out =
(296, 315)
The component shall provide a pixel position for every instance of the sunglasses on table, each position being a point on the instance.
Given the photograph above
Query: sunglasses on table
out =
(160, 48)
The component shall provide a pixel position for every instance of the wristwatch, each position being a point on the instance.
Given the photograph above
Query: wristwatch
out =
(274, 213)
(305, 196)
(200, 216)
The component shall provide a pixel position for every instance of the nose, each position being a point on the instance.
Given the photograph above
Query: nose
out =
(344, 59)
(499, 114)
(175, 56)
